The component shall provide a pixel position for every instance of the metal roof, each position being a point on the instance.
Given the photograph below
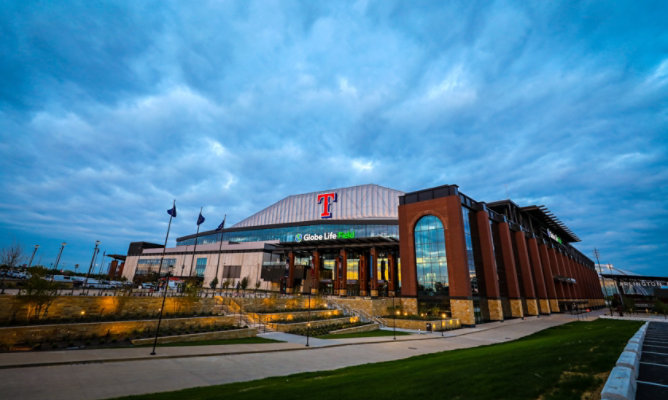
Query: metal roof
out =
(352, 203)
(551, 221)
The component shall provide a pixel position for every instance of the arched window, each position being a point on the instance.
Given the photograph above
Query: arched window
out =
(432, 267)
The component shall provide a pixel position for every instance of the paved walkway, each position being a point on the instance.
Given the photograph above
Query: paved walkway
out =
(104, 373)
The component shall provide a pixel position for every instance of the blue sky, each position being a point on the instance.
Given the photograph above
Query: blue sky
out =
(110, 110)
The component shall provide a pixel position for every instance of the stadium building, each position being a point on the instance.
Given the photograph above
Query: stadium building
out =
(479, 261)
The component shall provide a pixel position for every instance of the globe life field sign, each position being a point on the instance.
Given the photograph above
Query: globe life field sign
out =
(324, 236)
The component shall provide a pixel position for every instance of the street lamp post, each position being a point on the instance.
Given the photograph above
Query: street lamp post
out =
(95, 250)
(442, 323)
(33, 255)
(60, 253)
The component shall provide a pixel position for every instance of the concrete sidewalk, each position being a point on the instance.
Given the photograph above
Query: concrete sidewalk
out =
(104, 373)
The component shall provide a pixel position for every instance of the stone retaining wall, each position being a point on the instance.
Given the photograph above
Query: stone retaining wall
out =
(415, 324)
(376, 307)
(11, 336)
(16, 308)
(276, 303)
(196, 337)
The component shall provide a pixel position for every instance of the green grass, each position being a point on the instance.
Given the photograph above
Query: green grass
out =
(558, 363)
(378, 332)
(214, 342)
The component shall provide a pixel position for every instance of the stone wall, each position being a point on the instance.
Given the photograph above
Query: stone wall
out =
(270, 317)
(415, 324)
(19, 309)
(11, 336)
(376, 307)
(277, 303)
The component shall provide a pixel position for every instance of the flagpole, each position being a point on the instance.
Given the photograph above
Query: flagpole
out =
(220, 251)
(164, 296)
(192, 261)
(164, 248)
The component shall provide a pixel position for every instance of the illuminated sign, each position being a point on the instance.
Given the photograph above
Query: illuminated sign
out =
(324, 236)
(554, 237)
(326, 199)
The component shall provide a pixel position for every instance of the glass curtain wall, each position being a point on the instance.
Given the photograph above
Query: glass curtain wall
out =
(430, 261)
(296, 233)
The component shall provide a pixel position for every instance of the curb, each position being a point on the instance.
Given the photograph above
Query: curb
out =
(621, 384)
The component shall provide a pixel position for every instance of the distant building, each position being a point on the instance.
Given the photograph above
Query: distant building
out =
(476, 261)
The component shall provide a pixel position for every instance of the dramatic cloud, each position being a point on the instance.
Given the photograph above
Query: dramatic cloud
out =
(110, 111)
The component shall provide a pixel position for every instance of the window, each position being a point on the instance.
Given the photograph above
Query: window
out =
(430, 261)
(232, 272)
(201, 266)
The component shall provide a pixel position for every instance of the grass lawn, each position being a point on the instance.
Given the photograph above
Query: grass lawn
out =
(558, 363)
(214, 342)
(378, 332)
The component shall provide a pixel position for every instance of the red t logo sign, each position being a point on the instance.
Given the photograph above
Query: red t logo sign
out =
(326, 199)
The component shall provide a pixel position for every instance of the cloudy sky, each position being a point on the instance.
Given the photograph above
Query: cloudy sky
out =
(110, 110)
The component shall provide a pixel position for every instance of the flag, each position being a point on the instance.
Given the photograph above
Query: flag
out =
(200, 219)
(222, 224)
(172, 212)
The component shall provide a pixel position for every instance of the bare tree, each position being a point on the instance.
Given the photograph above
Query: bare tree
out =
(12, 255)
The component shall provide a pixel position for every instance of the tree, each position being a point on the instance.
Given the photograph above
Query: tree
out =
(38, 294)
(11, 256)
(214, 283)
(244, 283)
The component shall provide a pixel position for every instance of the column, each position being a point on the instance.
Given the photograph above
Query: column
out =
(461, 300)
(392, 272)
(511, 272)
(549, 277)
(580, 284)
(490, 275)
(316, 272)
(527, 276)
(568, 293)
(362, 272)
(539, 279)
(374, 272)
(556, 272)
(571, 273)
(291, 272)
(335, 276)
(343, 272)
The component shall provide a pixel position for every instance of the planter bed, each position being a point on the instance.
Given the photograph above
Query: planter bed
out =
(285, 327)
(286, 317)
(196, 337)
(33, 335)
(356, 329)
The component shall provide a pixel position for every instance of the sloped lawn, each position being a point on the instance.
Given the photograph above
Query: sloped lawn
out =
(564, 362)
